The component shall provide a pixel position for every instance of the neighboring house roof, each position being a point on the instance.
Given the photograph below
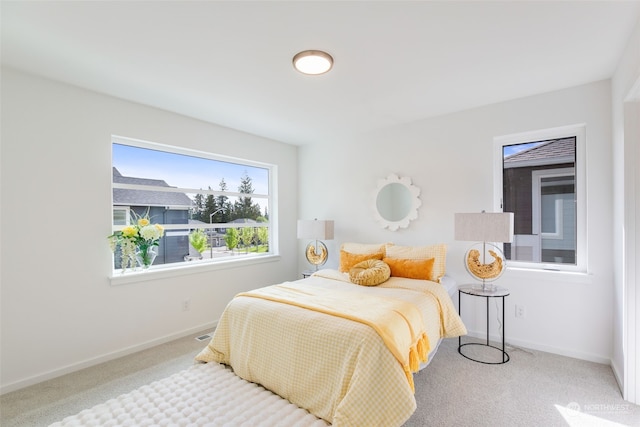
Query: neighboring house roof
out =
(551, 152)
(126, 197)
(196, 222)
(244, 220)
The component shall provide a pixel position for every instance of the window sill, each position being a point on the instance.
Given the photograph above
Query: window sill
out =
(547, 275)
(183, 269)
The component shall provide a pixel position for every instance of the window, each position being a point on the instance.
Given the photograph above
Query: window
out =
(540, 177)
(226, 202)
(121, 215)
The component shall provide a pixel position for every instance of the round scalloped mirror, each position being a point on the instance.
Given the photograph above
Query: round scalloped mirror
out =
(396, 202)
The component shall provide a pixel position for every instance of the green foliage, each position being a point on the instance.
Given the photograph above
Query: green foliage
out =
(244, 206)
(262, 233)
(198, 240)
(222, 202)
(246, 236)
(231, 238)
(198, 207)
(219, 209)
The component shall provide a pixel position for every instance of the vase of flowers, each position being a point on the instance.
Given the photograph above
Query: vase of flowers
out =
(145, 257)
(138, 242)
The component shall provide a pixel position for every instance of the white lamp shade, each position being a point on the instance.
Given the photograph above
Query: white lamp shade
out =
(484, 227)
(315, 229)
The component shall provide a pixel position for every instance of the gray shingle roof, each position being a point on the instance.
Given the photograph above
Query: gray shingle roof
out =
(244, 221)
(549, 149)
(126, 197)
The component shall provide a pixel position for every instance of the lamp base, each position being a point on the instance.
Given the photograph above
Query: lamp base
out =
(484, 287)
(485, 263)
(316, 253)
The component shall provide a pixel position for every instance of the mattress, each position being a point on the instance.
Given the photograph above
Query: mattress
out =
(203, 395)
(450, 285)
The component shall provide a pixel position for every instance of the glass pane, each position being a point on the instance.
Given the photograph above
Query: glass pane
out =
(199, 213)
(539, 188)
(120, 216)
(182, 171)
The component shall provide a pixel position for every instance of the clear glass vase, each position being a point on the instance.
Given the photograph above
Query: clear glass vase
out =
(145, 257)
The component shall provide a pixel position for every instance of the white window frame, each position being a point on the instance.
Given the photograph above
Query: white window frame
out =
(579, 132)
(180, 268)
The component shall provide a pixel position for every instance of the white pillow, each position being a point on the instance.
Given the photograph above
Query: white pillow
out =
(438, 252)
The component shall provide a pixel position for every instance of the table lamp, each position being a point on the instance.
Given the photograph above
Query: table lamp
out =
(484, 260)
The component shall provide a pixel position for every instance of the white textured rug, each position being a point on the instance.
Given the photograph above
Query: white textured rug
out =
(203, 395)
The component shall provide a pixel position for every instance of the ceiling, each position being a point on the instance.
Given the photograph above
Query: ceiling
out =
(229, 62)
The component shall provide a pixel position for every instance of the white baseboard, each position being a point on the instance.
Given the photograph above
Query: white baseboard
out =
(542, 347)
(617, 375)
(7, 388)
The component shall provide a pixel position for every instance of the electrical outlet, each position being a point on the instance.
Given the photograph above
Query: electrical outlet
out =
(520, 312)
(186, 304)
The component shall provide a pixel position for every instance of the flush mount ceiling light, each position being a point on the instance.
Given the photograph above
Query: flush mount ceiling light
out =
(312, 62)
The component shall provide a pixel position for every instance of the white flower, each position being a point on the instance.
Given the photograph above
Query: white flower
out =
(151, 232)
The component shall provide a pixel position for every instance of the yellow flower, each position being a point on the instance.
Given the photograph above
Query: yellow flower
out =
(130, 231)
(139, 236)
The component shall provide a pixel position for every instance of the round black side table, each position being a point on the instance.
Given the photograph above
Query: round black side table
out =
(498, 292)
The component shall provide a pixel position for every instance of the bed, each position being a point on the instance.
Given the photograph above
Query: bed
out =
(342, 367)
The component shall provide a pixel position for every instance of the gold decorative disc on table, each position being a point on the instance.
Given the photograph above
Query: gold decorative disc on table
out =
(317, 253)
(485, 262)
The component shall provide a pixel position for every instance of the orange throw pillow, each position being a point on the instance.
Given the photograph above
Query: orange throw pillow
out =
(411, 268)
(348, 260)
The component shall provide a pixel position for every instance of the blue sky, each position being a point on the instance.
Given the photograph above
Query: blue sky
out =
(183, 171)
(516, 148)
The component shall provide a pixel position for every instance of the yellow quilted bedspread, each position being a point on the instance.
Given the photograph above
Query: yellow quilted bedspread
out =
(339, 369)
(397, 322)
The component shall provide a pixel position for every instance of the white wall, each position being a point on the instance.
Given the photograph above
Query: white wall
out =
(59, 310)
(450, 159)
(626, 219)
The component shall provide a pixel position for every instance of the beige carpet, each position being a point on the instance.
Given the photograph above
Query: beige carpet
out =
(533, 389)
(50, 401)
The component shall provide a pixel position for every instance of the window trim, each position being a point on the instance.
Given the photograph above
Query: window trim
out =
(579, 132)
(181, 268)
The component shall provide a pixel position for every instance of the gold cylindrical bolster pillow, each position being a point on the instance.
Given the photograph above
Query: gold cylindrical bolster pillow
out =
(371, 272)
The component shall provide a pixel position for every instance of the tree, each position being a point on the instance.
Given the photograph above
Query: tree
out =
(198, 209)
(199, 240)
(209, 207)
(246, 236)
(262, 233)
(223, 206)
(244, 206)
(231, 238)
